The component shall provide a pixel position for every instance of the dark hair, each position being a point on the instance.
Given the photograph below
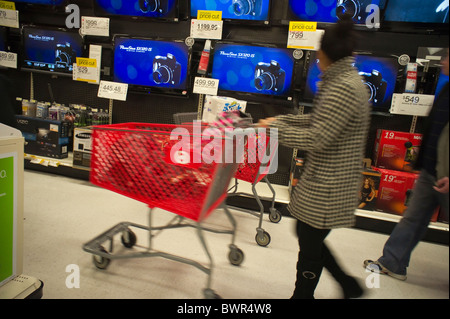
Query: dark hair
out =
(339, 40)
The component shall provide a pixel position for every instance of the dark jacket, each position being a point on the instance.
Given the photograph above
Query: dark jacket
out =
(7, 113)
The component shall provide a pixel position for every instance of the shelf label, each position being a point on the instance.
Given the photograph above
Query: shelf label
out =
(209, 15)
(86, 70)
(113, 90)
(8, 59)
(7, 5)
(304, 35)
(206, 86)
(206, 29)
(9, 18)
(95, 26)
(411, 104)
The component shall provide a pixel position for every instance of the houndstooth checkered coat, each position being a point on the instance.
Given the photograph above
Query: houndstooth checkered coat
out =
(334, 136)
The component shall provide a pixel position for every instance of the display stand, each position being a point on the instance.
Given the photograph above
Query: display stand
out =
(13, 284)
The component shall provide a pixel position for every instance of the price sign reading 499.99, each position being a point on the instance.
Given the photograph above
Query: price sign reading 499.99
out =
(206, 86)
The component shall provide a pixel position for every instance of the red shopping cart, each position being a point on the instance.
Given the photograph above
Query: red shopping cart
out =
(145, 162)
(254, 167)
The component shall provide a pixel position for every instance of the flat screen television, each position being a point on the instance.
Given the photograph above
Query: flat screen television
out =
(3, 39)
(329, 11)
(235, 10)
(152, 65)
(379, 74)
(254, 70)
(50, 50)
(413, 15)
(155, 9)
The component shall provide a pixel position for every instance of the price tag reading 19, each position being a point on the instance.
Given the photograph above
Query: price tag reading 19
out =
(206, 86)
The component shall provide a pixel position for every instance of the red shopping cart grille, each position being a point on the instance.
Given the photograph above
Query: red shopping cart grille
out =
(251, 169)
(132, 160)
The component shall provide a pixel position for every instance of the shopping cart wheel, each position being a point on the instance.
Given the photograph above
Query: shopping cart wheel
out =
(128, 238)
(236, 256)
(99, 261)
(274, 215)
(262, 238)
(210, 294)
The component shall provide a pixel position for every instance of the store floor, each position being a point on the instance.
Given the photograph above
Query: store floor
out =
(61, 214)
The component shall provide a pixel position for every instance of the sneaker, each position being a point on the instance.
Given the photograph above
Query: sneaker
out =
(377, 267)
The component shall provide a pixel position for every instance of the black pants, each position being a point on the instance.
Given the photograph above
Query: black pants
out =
(311, 241)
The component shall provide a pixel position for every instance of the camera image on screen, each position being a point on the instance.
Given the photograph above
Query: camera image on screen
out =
(377, 86)
(269, 77)
(65, 56)
(147, 6)
(166, 70)
(247, 7)
(355, 8)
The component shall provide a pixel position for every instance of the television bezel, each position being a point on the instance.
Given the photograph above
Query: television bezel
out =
(291, 16)
(260, 97)
(175, 17)
(242, 21)
(24, 67)
(142, 89)
(413, 27)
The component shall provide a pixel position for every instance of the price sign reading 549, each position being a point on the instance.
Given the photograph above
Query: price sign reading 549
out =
(206, 86)
(411, 99)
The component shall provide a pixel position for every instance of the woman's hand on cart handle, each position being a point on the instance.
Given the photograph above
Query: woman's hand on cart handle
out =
(266, 122)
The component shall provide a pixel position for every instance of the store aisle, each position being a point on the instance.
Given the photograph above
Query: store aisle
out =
(61, 214)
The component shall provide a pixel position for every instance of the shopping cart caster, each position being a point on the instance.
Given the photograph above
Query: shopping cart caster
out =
(99, 261)
(236, 256)
(274, 215)
(262, 238)
(210, 294)
(128, 238)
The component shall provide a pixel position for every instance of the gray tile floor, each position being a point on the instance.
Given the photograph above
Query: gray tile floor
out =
(61, 214)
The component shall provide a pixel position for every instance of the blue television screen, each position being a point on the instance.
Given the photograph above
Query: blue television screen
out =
(257, 10)
(253, 69)
(151, 63)
(328, 11)
(139, 8)
(419, 11)
(378, 73)
(51, 50)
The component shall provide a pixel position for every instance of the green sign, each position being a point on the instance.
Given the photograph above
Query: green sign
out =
(6, 217)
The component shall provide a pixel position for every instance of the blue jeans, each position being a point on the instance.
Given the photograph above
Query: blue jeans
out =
(411, 228)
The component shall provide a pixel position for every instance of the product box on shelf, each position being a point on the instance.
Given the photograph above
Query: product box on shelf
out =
(215, 105)
(395, 190)
(82, 146)
(44, 137)
(368, 192)
(396, 150)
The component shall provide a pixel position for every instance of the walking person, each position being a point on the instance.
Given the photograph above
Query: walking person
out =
(334, 137)
(430, 191)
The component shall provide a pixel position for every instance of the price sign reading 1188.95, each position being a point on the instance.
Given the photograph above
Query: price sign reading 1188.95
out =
(206, 86)
(206, 29)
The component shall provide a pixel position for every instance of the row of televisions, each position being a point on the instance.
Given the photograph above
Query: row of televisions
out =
(394, 14)
(252, 72)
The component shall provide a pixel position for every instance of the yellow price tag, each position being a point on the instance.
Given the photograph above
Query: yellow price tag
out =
(7, 5)
(91, 63)
(302, 26)
(209, 15)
